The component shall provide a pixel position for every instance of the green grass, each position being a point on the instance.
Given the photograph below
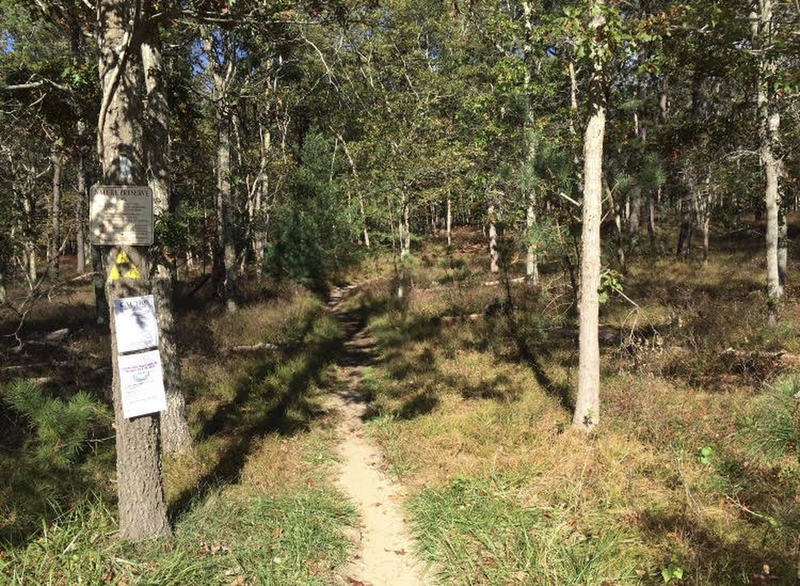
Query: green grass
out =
(295, 538)
(478, 532)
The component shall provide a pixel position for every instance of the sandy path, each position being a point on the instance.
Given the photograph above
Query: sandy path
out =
(384, 557)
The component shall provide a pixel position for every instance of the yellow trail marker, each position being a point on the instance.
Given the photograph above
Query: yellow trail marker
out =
(123, 267)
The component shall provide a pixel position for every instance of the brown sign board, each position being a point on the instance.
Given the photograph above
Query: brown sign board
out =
(121, 215)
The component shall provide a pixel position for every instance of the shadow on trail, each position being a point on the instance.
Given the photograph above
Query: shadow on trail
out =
(275, 398)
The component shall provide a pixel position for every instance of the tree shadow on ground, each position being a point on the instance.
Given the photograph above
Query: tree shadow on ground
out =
(275, 399)
(709, 554)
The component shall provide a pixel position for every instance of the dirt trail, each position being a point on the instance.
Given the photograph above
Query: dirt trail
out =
(384, 557)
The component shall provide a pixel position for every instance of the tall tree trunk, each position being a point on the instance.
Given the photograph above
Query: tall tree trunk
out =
(635, 214)
(449, 220)
(783, 245)
(587, 400)
(531, 264)
(354, 171)
(98, 281)
(142, 508)
(54, 244)
(80, 214)
(768, 134)
(494, 256)
(29, 230)
(687, 223)
(175, 435)
(651, 223)
(225, 210)
(405, 229)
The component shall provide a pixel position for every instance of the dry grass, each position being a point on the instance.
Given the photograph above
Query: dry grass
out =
(472, 422)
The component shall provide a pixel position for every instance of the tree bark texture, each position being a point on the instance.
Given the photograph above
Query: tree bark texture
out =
(494, 255)
(587, 400)
(81, 213)
(175, 434)
(142, 508)
(768, 134)
(54, 244)
(449, 221)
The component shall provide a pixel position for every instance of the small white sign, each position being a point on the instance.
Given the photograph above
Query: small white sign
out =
(135, 323)
(121, 215)
(141, 382)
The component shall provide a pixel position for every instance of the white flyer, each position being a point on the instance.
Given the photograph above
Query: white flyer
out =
(135, 321)
(141, 383)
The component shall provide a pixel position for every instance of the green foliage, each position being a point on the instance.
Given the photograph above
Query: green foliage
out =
(60, 427)
(315, 232)
(610, 282)
(671, 572)
(704, 454)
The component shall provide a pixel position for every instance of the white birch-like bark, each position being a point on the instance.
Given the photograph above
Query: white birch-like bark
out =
(768, 134)
(494, 255)
(587, 400)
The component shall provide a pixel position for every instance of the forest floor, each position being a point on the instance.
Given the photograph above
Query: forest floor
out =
(457, 401)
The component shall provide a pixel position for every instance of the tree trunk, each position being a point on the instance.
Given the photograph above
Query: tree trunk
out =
(54, 252)
(449, 221)
(768, 134)
(142, 509)
(493, 253)
(29, 230)
(80, 214)
(531, 264)
(587, 400)
(687, 224)
(226, 240)
(175, 435)
(405, 227)
(100, 298)
(635, 214)
(783, 245)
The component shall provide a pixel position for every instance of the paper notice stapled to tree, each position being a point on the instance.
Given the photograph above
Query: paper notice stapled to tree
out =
(135, 323)
(141, 383)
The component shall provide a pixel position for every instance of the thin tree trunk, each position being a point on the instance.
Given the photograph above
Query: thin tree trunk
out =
(768, 134)
(80, 215)
(493, 253)
(587, 400)
(175, 435)
(142, 508)
(531, 264)
(783, 245)
(98, 281)
(687, 223)
(449, 220)
(53, 252)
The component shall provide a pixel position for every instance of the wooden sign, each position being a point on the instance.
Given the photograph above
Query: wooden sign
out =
(121, 215)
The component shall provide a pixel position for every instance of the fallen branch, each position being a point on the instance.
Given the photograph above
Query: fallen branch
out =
(495, 283)
(470, 317)
(83, 276)
(252, 348)
(753, 354)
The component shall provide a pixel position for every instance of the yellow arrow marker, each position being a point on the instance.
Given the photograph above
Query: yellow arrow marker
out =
(114, 276)
(122, 258)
